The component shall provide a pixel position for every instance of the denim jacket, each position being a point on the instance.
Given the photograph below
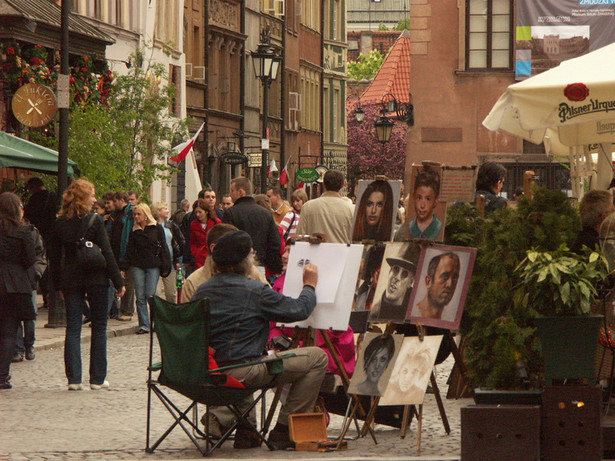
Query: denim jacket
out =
(241, 310)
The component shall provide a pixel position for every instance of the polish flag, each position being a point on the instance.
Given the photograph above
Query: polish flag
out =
(272, 168)
(301, 185)
(183, 149)
(284, 176)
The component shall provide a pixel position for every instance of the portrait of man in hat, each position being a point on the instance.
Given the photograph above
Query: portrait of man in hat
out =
(395, 282)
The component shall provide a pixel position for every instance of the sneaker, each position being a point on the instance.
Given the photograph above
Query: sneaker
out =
(75, 387)
(125, 318)
(142, 331)
(30, 355)
(97, 387)
(246, 438)
(17, 357)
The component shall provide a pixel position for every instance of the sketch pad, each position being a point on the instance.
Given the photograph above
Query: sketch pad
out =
(333, 258)
(328, 257)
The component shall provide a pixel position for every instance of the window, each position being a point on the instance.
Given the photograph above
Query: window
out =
(489, 34)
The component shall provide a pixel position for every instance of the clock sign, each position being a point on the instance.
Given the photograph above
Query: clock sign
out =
(34, 105)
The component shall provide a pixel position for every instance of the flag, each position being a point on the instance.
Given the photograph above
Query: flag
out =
(284, 173)
(183, 149)
(300, 185)
(284, 176)
(272, 168)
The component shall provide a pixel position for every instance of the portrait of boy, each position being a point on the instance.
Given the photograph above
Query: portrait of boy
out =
(424, 210)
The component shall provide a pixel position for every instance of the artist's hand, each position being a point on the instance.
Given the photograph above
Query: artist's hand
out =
(310, 275)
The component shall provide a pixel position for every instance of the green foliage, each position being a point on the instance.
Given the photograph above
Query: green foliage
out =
(382, 27)
(561, 282)
(403, 24)
(123, 144)
(365, 67)
(498, 326)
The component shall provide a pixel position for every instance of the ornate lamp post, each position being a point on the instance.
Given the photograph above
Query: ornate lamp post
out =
(384, 127)
(266, 61)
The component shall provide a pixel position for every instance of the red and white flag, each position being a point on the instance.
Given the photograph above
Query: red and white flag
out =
(183, 149)
(284, 174)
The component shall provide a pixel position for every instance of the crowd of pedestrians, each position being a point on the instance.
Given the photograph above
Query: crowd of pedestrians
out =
(144, 250)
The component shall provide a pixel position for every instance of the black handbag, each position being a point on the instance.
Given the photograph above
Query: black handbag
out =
(88, 255)
(163, 253)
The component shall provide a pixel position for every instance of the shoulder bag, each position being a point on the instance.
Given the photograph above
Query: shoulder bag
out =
(88, 255)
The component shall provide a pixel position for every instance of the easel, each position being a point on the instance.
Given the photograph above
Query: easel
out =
(369, 419)
(307, 336)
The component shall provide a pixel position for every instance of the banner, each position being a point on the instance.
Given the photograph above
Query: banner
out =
(551, 31)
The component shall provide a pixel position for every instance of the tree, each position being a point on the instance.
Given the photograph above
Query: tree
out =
(365, 67)
(382, 26)
(123, 142)
(366, 156)
(403, 24)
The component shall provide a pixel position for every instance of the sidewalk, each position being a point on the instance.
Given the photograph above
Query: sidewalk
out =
(51, 338)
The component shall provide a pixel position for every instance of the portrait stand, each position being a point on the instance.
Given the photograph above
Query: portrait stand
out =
(307, 337)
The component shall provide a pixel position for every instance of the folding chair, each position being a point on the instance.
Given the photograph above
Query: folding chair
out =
(183, 332)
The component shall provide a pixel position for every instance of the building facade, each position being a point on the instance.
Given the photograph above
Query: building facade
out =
(462, 59)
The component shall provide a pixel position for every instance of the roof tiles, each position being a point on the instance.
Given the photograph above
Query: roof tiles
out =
(394, 74)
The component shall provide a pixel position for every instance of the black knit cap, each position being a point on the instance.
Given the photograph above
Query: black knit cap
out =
(232, 248)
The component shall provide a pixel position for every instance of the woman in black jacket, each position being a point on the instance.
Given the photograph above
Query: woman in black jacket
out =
(17, 255)
(76, 223)
(148, 258)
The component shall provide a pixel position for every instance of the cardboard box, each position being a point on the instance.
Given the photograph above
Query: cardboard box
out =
(309, 432)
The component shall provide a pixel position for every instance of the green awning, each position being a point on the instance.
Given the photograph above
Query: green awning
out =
(19, 153)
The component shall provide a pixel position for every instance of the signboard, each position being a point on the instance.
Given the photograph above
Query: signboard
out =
(307, 175)
(255, 160)
(233, 158)
(551, 31)
(457, 184)
(321, 170)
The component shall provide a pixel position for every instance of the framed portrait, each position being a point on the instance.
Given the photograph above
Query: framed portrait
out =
(375, 364)
(369, 272)
(441, 287)
(395, 281)
(375, 210)
(411, 372)
(425, 211)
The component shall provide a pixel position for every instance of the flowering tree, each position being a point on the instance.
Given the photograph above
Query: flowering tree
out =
(366, 156)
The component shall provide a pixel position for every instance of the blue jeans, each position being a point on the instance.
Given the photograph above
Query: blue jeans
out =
(75, 301)
(146, 281)
(25, 336)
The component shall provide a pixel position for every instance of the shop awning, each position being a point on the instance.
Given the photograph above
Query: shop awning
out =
(19, 153)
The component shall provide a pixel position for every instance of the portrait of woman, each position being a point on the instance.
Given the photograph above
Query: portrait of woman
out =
(411, 372)
(374, 361)
(375, 213)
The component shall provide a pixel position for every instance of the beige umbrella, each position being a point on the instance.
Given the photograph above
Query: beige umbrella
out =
(569, 108)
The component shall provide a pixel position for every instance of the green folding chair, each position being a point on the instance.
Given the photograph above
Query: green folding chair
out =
(183, 332)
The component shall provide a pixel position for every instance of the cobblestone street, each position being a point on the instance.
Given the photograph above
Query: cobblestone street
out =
(41, 420)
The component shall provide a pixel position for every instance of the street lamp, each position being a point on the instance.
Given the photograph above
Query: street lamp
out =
(384, 127)
(359, 114)
(404, 112)
(266, 62)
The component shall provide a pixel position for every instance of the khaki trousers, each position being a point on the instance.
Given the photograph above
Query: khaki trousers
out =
(305, 373)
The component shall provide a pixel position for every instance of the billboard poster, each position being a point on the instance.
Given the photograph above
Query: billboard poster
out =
(551, 31)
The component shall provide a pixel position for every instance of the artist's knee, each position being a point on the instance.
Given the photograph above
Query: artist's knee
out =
(320, 359)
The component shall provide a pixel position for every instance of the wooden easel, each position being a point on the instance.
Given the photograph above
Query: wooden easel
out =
(307, 336)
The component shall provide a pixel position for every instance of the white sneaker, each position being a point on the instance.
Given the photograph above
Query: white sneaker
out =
(96, 387)
(75, 387)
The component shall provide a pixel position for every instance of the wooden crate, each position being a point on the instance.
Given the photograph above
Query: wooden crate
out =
(500, 433)
(571, 423)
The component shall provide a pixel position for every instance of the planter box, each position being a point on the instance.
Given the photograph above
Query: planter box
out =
(569, 346)
(499, 397)
(500, 433)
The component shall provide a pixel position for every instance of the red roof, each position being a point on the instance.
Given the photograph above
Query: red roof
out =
(394, 74)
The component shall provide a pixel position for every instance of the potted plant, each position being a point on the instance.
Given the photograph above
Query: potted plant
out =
(558, 288)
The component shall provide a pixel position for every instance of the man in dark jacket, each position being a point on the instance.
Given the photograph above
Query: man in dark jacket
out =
(41, 211)
(122, 227)
(246, 215)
